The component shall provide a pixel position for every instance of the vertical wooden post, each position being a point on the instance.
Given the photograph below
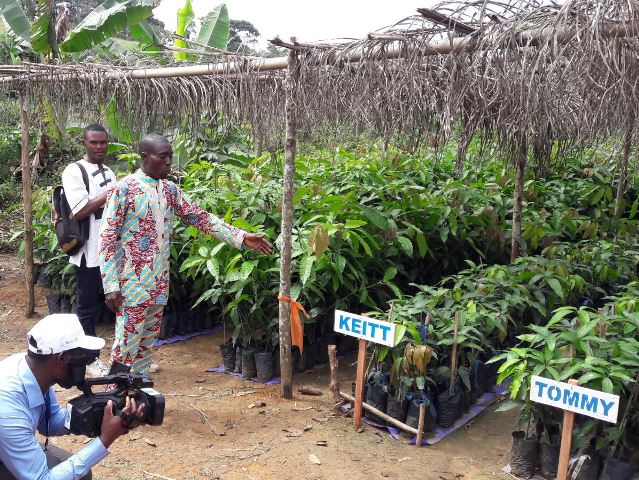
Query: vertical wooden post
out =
(520, 169)
(420, 425)
(359, 383)
(27, 201)
(286, 357)
(623, 170)
(566, 441)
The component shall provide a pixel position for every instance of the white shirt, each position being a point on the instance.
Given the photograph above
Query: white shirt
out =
(101, 179)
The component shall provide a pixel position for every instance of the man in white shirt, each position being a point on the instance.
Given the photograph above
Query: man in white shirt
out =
(88, 205)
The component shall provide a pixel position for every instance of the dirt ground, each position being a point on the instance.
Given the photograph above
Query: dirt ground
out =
(212, 430)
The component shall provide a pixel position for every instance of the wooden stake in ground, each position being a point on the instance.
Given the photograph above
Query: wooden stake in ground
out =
(420, 425)
(286, 357)
(566, 441)
(359, 383)
(28, 206)
(453, 358)
(333, 363)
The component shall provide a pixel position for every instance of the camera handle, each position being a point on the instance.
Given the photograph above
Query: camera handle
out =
(127, 420)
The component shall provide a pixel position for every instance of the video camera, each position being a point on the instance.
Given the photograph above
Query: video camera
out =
(86, 411)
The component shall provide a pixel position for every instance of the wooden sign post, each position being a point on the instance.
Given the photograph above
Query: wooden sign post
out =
(359, 383)
(572, 399)
(566, 441)
(365, 329)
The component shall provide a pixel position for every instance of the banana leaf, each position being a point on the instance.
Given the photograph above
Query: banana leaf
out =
(15, 18)
(146, 37)
(185, 16)
(215, 28)
(105, 21)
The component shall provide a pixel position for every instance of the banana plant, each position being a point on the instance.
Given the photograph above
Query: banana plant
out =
(105, 21)
(214, 31)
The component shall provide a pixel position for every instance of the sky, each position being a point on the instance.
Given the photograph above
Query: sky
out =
(308, 21)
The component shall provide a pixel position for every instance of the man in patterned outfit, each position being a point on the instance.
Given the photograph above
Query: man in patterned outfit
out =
(134, 249)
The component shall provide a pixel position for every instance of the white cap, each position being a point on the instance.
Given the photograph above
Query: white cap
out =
(60, 332)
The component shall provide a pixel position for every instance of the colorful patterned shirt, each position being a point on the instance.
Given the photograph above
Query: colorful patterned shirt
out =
(135, 235)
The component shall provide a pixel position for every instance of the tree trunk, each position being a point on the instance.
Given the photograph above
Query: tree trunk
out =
(28, 206)
(258, 146)
(520, 169)
(623, 171)
(286, 357)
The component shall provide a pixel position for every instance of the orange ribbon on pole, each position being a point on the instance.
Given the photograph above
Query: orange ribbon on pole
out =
(297, 330)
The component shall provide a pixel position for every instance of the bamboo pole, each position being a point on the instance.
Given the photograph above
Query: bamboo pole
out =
(623, 170)
(286, 357)
(380, 414)
(520, 170)
(27, 201)
(530, 38)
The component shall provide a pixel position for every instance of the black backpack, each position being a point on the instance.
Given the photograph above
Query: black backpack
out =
(71, 232)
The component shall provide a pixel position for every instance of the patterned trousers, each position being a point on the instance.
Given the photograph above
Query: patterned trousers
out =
(136, 329)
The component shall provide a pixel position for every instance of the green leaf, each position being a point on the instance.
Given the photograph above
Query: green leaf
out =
(355, 223)
(185, 16)
(633, 209)
(400, 330)
(215, 28)
(390, 273)
(606, 385)
(407, 245)
(146, 37)
(374, 216)
(422, 246)
(556, 287)
(306, 267)
(213, 266)
(105, 21)
(383, 353)
(16, 19)
(242, 274)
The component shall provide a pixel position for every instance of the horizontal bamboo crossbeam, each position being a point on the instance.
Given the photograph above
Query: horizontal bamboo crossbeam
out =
(445, 46)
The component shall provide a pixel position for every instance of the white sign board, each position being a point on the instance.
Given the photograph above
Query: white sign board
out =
(371, 329)
(585, 401)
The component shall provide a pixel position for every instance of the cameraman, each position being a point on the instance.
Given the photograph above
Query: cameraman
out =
(58, 352)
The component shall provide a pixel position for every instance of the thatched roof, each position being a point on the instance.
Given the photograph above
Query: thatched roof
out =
(507, 68)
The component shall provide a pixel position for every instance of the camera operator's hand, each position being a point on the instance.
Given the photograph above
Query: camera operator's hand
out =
(112, 425)
(132, 415)
(113, 300)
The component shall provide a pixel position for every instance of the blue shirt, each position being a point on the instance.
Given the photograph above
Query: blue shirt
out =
(22, 411)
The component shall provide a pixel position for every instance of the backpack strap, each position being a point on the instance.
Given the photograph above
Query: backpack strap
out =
(85, 176)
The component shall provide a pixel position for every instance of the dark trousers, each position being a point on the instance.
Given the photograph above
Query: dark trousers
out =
(90, 296)
(55, 455)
